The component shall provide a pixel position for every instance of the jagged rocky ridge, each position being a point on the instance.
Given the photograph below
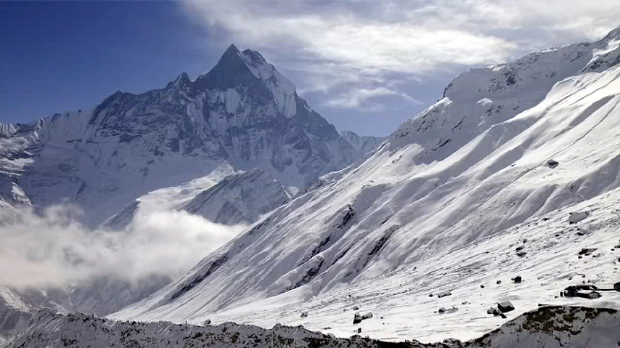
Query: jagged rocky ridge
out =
(546, 327)
(441, 205)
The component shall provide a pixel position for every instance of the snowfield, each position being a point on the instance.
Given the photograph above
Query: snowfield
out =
(476, 189)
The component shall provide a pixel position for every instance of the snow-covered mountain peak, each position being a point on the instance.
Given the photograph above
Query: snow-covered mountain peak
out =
(249, 70)
(243, 111)
(480, 98)
(181, 81)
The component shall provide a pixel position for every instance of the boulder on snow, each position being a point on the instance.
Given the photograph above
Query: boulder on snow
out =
(493, 311)
(583, 291)
(517, 279)
(505, 307)
(575, 217)
(304, 314)
(367, 316)
(207, 322)
(444, 310)
(357, 318)
(496, 312)
(444, 294)
(587, 251)
(552, 163)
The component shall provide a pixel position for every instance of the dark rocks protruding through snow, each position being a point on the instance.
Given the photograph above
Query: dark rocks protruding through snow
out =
(552, 163)
(444, 294)
(575, 217)
(502, 307)
(505, 307)
(358, 318)
(587, 251)
(444, 310)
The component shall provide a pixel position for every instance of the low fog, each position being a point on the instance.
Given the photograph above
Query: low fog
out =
(52, 249)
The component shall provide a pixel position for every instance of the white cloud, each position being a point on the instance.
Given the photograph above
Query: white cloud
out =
(54, 250)
(340, 47)
(359, 97)
(416, 44)
(407, 36)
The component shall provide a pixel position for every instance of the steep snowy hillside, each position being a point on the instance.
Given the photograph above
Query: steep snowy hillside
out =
(243, 111)
(168, 198)
(239, 199)
(224, 196)
(476, 189)
(546, 327)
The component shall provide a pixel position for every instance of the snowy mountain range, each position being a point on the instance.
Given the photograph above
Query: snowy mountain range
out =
(474, 191)
(495, 198)
(231, 145)
(242, 112)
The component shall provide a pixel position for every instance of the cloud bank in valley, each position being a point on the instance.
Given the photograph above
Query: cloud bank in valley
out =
(52, 249)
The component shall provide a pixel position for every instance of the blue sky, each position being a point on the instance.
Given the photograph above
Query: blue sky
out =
(59, 56)
(365, 65)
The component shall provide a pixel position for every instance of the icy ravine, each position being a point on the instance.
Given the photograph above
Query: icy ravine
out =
(548, 327)
(242, 112)
(467, 177)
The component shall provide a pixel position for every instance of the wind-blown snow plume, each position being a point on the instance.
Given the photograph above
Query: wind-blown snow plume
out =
(52, 249)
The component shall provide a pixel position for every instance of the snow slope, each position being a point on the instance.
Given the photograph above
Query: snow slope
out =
(441, 205)
(224, 196)
(238, 199)
(546, 327)
(168, 198)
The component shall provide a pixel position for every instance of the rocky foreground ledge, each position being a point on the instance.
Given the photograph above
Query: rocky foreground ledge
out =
(553, 326)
